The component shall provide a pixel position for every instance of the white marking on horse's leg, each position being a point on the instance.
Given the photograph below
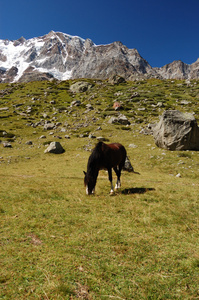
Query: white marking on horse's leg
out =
(118, 185)
(112, 191)
(87, 190)
(93, 191)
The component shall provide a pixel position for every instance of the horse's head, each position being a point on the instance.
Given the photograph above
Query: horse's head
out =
(89, 182)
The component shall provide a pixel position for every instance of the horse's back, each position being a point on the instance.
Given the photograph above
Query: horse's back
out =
(115, 154)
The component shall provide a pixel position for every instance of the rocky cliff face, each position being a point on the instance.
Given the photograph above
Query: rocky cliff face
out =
(61, 56)
(179, 70)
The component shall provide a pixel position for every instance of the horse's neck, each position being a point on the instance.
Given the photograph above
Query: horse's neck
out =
(93, 167)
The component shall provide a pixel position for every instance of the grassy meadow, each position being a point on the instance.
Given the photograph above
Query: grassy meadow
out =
(56, 242)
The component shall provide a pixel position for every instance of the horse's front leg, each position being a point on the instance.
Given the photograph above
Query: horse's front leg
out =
(110, 179)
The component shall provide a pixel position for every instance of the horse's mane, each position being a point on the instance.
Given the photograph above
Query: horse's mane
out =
(95, 157)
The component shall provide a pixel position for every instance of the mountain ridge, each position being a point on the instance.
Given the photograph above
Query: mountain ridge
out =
(62, 56)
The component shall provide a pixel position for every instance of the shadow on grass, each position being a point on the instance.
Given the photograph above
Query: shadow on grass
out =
(136, 190)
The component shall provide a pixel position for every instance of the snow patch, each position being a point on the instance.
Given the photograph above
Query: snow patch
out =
(56, 73)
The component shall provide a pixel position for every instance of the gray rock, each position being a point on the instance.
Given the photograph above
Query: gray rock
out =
(133, 146)
(55, 147)
(49, 126)
(127, 166)
(121, 119)
(45, 115)
(7, 145)
(80, 86)
(113, 120)
(101, 139)
(75, 103)
(116, 79)
(92, 136)
(177, 131)
(89, 107)
(4, 108)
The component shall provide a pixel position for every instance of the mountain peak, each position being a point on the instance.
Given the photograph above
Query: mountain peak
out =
(64, 56)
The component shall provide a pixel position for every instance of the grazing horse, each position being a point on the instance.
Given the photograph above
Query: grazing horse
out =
(104, 156)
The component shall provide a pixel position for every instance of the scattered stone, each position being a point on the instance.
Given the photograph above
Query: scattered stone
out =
(127, 166)
(4, 109)
(133, 146)
(92, 136)
(184, 102)
(49, 126)
(7, 145)
(148, 130)
(63, 130)
(29, 143)
(89, 107)
(136, 94)
(101, 139)
(113, 120)
(178, 175)
(55, 147)
(83, 135)
(45, 116)
(75, 103)
(52, 102)
(29, 110)
(160, 104)
(119, 93)
(42, 137)
(121, 119)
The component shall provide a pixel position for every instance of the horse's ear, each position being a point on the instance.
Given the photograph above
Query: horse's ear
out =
(84, 173)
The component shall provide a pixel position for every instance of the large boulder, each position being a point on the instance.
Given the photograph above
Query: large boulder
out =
(55, 147)
(177, 131)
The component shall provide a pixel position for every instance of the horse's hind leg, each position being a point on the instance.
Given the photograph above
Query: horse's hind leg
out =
(110, 179)
(118, 173)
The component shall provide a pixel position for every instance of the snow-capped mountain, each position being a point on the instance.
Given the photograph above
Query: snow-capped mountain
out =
(62, 56)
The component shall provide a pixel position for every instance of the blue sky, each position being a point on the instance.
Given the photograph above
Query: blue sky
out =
(161, 30)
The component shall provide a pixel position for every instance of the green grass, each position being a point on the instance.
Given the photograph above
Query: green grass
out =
(58, 243)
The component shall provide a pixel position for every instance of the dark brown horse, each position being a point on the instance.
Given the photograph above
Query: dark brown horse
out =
(104, 156)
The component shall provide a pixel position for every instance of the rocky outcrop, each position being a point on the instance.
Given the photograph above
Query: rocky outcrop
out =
(177, 131)
(179, 70)
(30, 74)
(80, 86)
(175, 70)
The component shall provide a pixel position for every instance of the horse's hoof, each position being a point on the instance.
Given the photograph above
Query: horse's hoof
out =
(111, 192)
